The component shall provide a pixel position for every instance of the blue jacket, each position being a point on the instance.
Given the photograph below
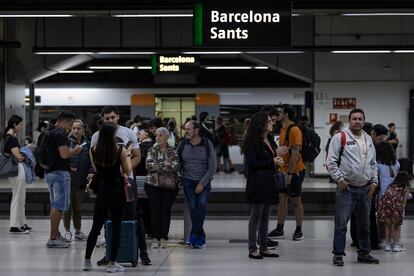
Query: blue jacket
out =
(29, 164)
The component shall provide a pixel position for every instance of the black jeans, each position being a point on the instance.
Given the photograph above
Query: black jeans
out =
(160, 201)
(100, 214)
(258, 226)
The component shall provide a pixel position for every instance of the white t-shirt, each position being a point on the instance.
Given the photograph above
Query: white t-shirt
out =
(362, 146)
(123, 136)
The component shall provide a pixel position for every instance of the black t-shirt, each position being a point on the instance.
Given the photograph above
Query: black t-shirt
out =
(393, 136)
(60, 138)
(10, 142)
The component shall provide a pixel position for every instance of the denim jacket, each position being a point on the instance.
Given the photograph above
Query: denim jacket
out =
(80, 165)
(155, 163)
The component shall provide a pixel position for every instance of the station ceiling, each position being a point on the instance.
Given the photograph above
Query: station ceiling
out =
(206, 78)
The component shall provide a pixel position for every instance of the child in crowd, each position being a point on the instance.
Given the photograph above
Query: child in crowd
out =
(391, 210)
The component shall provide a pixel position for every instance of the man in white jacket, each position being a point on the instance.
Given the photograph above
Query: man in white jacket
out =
(351, 163)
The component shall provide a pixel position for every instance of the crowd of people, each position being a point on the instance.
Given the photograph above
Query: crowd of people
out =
(372, 188)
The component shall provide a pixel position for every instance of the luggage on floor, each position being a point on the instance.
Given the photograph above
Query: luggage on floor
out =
(128, 246)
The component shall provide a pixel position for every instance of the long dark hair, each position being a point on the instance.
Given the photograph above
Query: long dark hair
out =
(386, 153)
(12, 123)
(256, 130)
(402, 179)
(106, 147)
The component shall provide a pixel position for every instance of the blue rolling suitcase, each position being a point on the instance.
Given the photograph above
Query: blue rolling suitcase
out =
(128, 247)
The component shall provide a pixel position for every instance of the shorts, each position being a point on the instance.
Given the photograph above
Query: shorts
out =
(294, 189)
(59, 189)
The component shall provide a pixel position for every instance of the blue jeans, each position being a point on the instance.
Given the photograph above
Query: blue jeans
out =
(198, 206)
(353, 200)
(59, 189)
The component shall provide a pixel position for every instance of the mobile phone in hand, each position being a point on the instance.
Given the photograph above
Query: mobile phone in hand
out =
(83, 144)
(128, 145)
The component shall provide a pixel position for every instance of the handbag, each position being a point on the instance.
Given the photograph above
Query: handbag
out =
(167, 181)
(8, 166)
(280, 181)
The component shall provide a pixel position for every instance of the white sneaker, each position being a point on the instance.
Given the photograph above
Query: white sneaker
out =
(113, 268)
(81, 236)
(63, 239)
(57, 243)
(383, 244)
(68, 235)
(155, 244)
(388, 247)
(101, 243)
(397, 247)
(87, 265)
(163, 243)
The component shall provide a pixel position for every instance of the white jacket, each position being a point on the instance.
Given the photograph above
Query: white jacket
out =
(352, 167)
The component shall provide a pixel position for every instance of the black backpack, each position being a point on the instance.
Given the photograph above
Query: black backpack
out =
(45, 153)
(311, 142)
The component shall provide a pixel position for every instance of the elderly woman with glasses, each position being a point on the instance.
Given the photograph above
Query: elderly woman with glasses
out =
(161, 186)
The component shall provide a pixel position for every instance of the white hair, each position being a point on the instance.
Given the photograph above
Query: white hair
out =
(163, 131)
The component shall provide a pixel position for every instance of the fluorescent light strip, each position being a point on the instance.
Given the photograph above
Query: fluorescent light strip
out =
(63, 53)
(76, 72)
(125, 53)
(153, 15)
(214, 53)
(261, 67)
(379, 14)
(228, 67)
(35, 15)
(274, 52)
(112, 67)
(144, 67)
(361, 52)
(403, 51)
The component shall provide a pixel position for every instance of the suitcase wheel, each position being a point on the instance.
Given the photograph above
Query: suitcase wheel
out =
(134, 264)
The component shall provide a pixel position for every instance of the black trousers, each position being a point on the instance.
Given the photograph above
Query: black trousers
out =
(115, 206)
(160, 201)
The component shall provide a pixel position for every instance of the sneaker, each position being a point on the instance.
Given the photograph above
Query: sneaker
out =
(397, 247)
(87, 265)
(17, 230)
(155, 244)
(101, 243)
(190, 241)
(68, 236)
(298, 236)
(271, 244)
(145, 260)
(26, 228)
(63, 239)
(80, 236)
(199, 243)
(102, 261)
(367, 259)
(388, 247)
(163, 243)
(276, 234)
(57, 243)
(113, 268)
(338, 261)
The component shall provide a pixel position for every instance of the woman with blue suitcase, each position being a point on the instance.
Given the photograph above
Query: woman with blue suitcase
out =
(110, 160)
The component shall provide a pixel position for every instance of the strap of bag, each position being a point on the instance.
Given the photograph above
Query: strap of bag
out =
(343, 143)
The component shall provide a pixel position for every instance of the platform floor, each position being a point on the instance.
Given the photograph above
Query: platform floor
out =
(226, 253)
